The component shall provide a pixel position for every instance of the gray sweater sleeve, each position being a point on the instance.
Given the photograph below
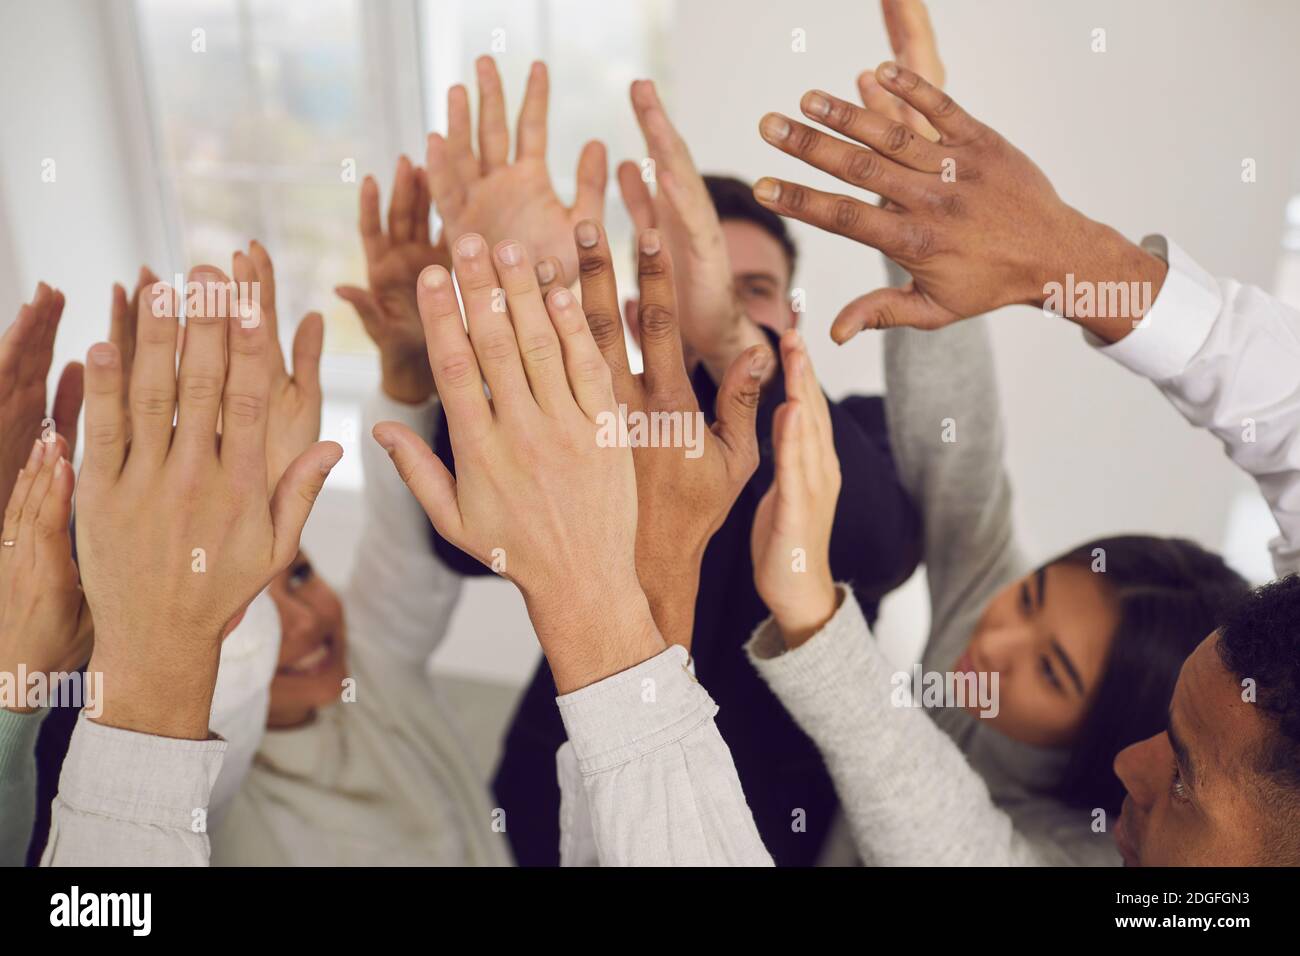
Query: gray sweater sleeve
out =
(18, 734)
(945, 427)
(909, 794)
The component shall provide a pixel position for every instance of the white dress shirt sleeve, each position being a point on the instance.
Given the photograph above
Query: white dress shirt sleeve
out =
(132, 799)
(1227, 356)
(658, 781)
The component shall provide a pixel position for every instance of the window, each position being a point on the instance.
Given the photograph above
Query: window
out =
(260, 109)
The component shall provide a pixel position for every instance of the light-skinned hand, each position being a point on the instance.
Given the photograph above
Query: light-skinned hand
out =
(26, 353)
(44, 623)
(714, 325)
(394, 260)
(177, 532)
(499, 199)
(791, 538)
(536, 495)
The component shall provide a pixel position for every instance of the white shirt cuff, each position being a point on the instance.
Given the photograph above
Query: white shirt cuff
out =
(635, 712)
(136, 777)
(1178, 323)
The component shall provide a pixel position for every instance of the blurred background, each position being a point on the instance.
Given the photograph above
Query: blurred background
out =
(173, 131)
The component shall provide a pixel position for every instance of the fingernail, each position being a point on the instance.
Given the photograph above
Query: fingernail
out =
(35, 456)
(51, 451)
(768, 190)
(470, 245)
(759, 363)
(650, 242)
(59, 467)
(545, 271)
(889, 71)
(561, 298)
(433, 277)
(101, 355)
(774, 127)
(814, 104)
(587, 234)
(510, 253)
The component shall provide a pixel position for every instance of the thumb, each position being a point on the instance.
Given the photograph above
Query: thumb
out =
(890, 309)
(362, 300)
(425, 474)
(295, 494)
(737, 409)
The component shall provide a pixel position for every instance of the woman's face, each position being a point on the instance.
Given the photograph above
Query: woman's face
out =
(313, 662)
(1048, 637)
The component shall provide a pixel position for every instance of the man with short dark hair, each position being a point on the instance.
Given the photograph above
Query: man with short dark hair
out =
(1222, 785)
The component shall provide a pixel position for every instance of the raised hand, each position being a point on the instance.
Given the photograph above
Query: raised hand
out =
(791, 538)
(177, 532)
(44, 623)
(536, 495)
(394, 261)
(26, 352)
(714, 326)
(974, 221)
(912, 39)
(499, 199)
(294, 399)
(688, 479)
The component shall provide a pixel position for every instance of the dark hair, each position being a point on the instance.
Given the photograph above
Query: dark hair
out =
(734, 199)
(1170, 593)
(1259, 639)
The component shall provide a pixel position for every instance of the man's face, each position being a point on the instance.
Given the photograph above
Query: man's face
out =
(760, 274)
(1190, 789)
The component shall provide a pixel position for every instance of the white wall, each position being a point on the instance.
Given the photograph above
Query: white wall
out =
(1148, 136)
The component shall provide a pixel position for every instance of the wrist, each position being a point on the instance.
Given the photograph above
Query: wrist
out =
(406, 378)
(156, 695)
(1101, 281)
(803, 616)
(671, 592)
(588, 637)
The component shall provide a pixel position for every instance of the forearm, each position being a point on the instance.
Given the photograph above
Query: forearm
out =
(589, 636)
(671, 587)
(1101, 281)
